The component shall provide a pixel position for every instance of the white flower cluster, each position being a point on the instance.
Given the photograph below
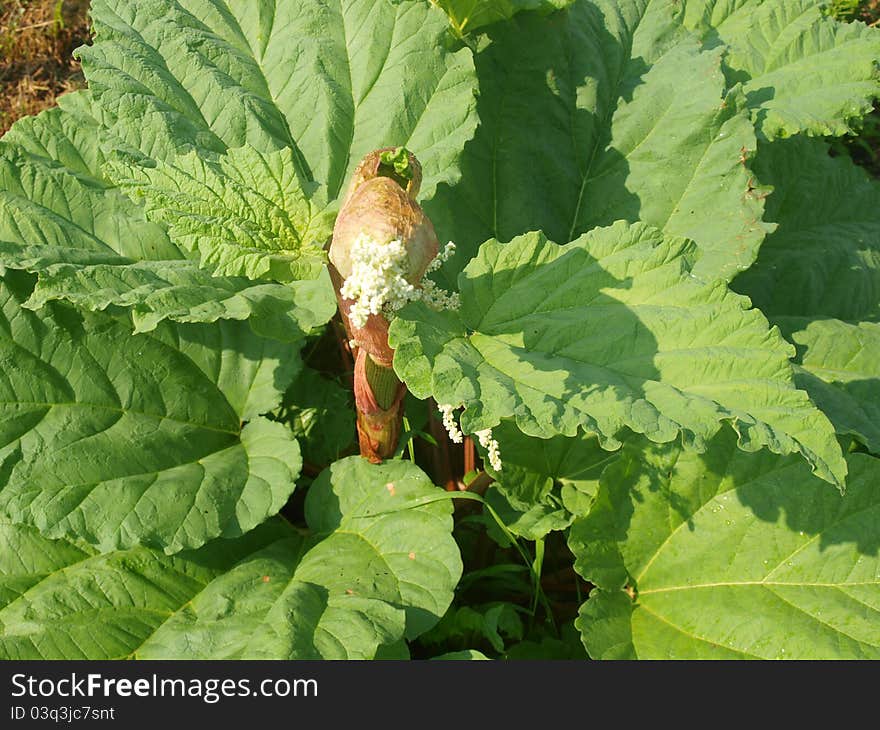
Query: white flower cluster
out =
(484, 436)
(491, 445)
(433, 295)
(378, 284)
(377, 278)
(455, 434)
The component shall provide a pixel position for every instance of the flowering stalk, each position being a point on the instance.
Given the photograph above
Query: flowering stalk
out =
(383, 244)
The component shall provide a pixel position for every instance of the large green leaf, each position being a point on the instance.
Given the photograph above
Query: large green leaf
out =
(44, 203)
(611, 331)
(180, 291)
(245, 213)
(801, 70)
(818, 277)
(68, 135)
(64, 600)
(824, 257)
(123, 439)
(92, 247)
(375, 567)
(384, 568)
(730, 555)
(329, 80)
(633, 124)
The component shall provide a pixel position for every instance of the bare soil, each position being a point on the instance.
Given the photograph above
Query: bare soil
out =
(37, 39)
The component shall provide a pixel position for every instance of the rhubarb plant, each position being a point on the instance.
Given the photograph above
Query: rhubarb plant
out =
(391, 328)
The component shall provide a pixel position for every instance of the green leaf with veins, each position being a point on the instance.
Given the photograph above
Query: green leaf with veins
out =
(530, 464)
(245, 214)
(823, 260)
(382, 568)
(635, 125)
(730, 555)
(97, 444)
(818, 278)
(531, 520)
(180, 291)
(320, 413)
(51, 591)
(494, 623)
(354, 583)
(544, 483)
(605, 334)
(68, 135)
(329, 81)
(91, 246)
(839, 366)
(43, 203)
(802, 71)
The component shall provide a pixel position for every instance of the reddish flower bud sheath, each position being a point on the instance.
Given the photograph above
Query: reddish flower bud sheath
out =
(383, 243)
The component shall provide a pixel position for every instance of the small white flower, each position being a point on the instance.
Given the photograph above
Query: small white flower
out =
(491, 445)
(455, 434)
(447, 253)
(438, 298)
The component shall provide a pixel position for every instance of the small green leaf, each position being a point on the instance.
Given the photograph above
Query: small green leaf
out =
(464, 655)
(568, 468)
(544, 483)
(495, 623)
(321, 413)
(533, 521)
(398, 160)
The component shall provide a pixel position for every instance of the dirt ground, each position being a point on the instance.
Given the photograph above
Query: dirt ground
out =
(37, 38)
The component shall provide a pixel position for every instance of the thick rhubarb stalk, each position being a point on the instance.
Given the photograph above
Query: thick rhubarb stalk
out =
(378, 396)
(379, 208)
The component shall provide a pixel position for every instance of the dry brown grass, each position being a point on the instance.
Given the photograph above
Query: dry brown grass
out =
(37, 39)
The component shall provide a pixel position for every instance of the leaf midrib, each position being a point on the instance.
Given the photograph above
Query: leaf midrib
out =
(762, 583)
